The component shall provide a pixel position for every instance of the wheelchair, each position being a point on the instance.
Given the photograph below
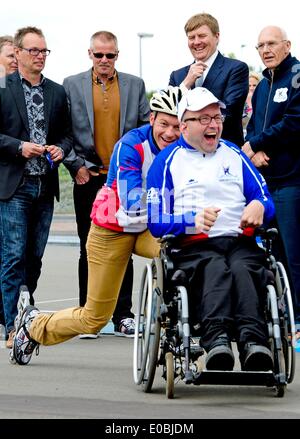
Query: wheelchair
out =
(163, 334)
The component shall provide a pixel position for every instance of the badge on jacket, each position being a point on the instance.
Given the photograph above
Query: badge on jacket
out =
(281, 95)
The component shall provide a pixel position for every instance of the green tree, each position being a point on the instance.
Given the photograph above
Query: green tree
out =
(66, 192)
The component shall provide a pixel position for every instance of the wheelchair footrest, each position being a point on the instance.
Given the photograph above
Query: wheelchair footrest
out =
(239, 378)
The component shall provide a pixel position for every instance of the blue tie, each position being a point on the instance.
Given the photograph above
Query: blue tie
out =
(199, 81)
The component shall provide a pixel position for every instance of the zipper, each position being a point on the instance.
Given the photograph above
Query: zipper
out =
(268, 101)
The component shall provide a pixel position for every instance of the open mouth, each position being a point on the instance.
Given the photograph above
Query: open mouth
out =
(199, 49)
(167, 140)
(210, 136)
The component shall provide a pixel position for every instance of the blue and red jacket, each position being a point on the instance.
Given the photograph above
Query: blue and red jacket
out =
(120, 204)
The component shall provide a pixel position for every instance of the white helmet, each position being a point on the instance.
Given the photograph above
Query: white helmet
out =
(166, 101)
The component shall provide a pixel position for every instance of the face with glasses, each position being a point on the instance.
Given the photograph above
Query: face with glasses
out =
(31, 56)
(104, 54)
(273, 46)
(202, 129)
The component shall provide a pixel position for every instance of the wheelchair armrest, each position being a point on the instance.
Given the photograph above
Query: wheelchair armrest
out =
(179, 278)
(269, 234)
(167, 239)
(270, 277)
(272, 233)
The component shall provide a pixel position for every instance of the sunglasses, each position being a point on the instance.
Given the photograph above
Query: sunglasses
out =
(100, 55)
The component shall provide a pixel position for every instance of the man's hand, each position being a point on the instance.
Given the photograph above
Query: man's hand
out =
(246, 148)
(196, 70)
(56, 153)
(83, 175)
(253, 215)
(30, 150)
(260, 159)
(206, 219)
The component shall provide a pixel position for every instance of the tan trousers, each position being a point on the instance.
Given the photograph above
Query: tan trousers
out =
(108, 254)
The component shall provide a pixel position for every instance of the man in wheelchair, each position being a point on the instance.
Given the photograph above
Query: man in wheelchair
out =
(207, 193)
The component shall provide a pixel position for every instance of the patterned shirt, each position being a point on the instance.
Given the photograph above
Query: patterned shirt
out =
(34, 100)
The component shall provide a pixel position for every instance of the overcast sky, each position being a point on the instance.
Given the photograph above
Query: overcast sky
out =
(68, 26)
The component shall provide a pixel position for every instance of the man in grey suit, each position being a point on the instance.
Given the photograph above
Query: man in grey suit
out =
(104, 105)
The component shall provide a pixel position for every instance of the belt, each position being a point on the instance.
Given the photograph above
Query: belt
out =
(35, 177)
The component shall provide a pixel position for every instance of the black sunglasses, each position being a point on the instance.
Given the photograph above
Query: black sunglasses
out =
(100, 55)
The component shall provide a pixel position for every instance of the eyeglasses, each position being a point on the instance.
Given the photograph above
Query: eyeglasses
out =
(269, 45)
(100, 55)
(206, 120)
(36, 52)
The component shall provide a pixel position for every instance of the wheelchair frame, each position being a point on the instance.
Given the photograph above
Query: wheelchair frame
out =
(162, 332)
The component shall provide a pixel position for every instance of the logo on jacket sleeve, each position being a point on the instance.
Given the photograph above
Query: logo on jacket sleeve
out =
(153, 196)
(281, 95)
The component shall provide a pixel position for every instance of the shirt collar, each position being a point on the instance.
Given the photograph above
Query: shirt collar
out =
(281, 68)
(96, 80)
(24, 81)
(209, 62)
(154, 147)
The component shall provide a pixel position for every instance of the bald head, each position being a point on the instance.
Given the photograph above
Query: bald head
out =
(275, 31)
(273, 46)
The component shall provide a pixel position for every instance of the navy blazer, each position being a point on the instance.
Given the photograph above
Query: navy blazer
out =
(14, 128)
(228, 80)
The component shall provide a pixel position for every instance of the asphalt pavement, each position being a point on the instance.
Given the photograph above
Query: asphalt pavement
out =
(92, 379)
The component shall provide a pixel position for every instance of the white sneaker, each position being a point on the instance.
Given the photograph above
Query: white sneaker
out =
(88, 336)
(24, 345)
(23, 302)
(125, 328)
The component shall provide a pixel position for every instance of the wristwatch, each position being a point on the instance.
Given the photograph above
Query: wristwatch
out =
(20, 148)
(62, 152)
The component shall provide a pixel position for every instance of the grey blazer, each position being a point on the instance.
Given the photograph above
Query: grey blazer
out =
(134, 112)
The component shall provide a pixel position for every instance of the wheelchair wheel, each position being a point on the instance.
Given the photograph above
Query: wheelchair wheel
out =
(169, 375)
(277, 342)
(147, 331)
(288, 328)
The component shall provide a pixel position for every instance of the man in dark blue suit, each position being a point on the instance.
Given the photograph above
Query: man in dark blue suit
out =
(226, 78)
(35, 135)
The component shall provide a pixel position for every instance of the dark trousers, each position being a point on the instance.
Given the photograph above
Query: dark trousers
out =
(227, 280)
(287, 206)
(84, 196)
